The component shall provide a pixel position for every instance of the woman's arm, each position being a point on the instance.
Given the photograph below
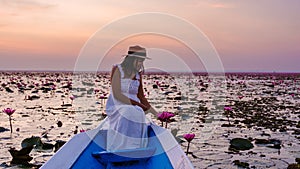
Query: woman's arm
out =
(144, 100)
(116, 89)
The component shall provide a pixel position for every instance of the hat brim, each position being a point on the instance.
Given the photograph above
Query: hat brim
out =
(139, 56)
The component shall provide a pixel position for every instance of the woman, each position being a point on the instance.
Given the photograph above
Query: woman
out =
(126, 105)
(125, 127)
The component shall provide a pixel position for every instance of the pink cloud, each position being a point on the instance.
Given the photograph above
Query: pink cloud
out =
(221, 5)
(27, 5)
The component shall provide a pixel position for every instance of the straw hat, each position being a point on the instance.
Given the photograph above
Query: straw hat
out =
(137, 51)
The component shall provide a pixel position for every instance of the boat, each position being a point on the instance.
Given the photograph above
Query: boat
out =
(86, 150)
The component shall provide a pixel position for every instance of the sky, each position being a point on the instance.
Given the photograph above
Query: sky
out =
(246, 36)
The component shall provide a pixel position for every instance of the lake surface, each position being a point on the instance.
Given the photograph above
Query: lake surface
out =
(264, 106)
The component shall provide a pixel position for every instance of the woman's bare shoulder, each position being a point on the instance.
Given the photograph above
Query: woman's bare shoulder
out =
(114, 68)
(115, 71)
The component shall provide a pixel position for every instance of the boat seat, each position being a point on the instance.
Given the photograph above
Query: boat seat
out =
(124, 157)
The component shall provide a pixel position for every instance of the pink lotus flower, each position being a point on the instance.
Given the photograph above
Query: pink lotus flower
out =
(9, 112)
(102, 97)
(189, 137)
(72, 97)
(165, 117)
(227, 108)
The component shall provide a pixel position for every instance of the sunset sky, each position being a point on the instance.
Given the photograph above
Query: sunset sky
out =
(248, 35)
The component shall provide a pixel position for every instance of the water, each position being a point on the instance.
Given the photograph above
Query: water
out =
(264, 106)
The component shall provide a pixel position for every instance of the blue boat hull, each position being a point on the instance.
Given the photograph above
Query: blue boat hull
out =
(84, 151)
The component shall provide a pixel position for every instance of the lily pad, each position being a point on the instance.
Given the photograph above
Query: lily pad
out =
(2, 129)
(240, 144)
(58, 145)
(34, 140)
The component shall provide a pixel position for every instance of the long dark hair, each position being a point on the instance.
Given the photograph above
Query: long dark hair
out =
(128, 67)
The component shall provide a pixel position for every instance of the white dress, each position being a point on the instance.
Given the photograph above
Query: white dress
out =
(127, 123)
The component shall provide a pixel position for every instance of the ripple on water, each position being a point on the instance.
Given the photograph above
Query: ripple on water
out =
(265, 150)
(213, 155)
(294, 150)
(260, 163)
(42, 158)
(209, 164)
(218, 143)
(280, 163)
(221, 165)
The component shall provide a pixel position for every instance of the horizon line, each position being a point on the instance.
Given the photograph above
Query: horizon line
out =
(153, 71)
